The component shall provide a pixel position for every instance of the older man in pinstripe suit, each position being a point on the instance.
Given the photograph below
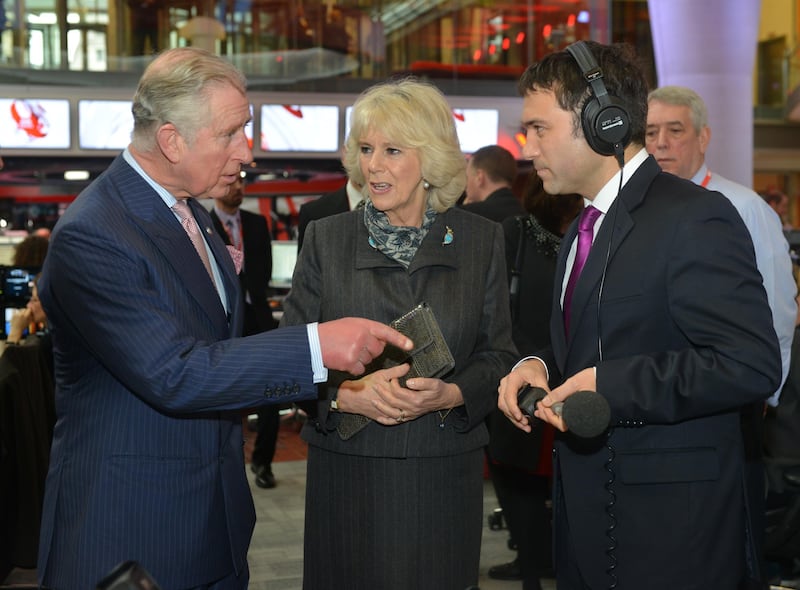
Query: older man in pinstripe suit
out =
(147, 459)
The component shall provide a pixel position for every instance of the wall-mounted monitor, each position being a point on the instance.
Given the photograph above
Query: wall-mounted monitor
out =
(104, 124)
(476, 128)
(33, 123)
(299, 128)
(107, 124)
(284, 257)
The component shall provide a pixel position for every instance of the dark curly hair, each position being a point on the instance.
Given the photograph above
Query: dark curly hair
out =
(31, 252)
(623, 77)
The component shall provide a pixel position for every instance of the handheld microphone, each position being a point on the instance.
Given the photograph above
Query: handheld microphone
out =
(585, 413)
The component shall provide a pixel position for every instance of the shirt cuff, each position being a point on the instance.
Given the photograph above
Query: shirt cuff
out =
(320, 372)
(528, 358)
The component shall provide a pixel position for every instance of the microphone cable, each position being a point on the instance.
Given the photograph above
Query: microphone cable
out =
(615, 206)
(612, 525)
(609, 464)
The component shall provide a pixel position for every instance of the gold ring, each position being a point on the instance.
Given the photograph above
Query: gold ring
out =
(401, 417)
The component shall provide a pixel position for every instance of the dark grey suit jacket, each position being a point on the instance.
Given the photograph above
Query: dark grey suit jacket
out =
(687, 341)
(325, 205)
(339, 274)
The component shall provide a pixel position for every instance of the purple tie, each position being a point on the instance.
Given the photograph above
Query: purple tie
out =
(585, 234)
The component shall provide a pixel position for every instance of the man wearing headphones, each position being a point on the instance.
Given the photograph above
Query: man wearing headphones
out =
(666, 319)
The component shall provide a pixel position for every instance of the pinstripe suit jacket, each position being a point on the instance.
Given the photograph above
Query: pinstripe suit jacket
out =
(147, 460)
(339, 274)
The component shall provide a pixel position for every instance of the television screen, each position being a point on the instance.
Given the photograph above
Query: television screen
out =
(104, 124)
(107, 124)
(299, 128)
(476, 128)
(284, 257)
(17, 283)
(34, 123)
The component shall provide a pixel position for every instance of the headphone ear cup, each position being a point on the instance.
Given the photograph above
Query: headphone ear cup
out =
(605, 126)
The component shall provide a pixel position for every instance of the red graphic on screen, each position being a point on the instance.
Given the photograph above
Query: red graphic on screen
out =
(296, 111)
(31, 118)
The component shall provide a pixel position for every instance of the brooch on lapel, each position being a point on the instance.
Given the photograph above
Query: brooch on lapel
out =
(448, 236)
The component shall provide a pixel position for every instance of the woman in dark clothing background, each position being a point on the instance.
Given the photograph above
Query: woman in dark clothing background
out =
(520, 463)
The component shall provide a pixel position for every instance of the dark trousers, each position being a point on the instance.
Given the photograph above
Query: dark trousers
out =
(269, 421)
(522, 497)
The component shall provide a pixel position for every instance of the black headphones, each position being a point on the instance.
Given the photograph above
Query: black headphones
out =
(606, 123)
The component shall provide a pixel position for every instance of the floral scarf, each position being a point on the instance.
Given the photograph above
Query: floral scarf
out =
(400, 243)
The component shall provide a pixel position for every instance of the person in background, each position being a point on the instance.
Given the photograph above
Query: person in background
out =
(520, 463)
(30, 319)
(779, 201)
(347, 198)
(678, 136)
(31, 251)
(249, 234)
(144, 27)
(665, 320)
(146, 312)
(491, 172)
(402, 461)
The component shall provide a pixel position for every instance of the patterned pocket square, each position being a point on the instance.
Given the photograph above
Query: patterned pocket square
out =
(237, 257)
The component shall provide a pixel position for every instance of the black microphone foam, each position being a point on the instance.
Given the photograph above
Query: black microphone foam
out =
(585, 413)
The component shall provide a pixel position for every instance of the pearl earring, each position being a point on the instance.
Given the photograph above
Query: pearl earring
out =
(426, 185)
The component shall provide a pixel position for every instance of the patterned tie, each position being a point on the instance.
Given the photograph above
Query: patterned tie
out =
(585, 235)
(181, 207)
(233, 233)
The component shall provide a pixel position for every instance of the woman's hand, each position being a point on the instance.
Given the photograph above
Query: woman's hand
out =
(380, 396)
(398, 404)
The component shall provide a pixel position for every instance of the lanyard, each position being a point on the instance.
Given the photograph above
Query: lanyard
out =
(706, 180)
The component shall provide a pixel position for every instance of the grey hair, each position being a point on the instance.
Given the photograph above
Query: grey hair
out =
(417, 116)
(173, 89)
(682, 96)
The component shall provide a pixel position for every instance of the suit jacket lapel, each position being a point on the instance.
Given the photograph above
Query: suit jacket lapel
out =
(617, 224)
(156, 220)
(224, 261)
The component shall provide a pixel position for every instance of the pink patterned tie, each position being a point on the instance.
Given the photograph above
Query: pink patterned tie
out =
(189, 224)
(585, 235)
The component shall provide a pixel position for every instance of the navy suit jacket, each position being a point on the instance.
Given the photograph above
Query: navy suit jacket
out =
(254, 277)
(687, 341)
(147, 460)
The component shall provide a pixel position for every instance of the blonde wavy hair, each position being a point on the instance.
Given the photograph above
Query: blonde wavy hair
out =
(414, 115)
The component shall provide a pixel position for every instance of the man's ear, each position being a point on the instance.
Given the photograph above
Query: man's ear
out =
(480, 176)
(705, 139)
(170, 142)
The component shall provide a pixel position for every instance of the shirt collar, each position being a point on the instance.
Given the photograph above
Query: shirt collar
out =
(165, 195)
(354, 196)
(608, 194)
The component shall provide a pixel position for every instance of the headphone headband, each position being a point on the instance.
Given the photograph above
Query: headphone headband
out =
(590, 69)
(606, 123)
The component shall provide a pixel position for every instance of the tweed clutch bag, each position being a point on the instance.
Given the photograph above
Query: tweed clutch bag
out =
(430, 357)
